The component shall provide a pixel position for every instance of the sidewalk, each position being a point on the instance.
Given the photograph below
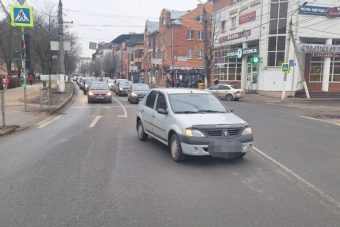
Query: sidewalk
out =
(16, 117)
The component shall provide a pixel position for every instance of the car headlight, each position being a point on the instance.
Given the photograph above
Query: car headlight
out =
(193, 133)
(247, 131)
(91, 93)
(109, 94)
(134, 94)
(120, 88)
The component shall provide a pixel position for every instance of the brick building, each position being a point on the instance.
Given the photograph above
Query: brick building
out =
(128, 50)
(179, 53)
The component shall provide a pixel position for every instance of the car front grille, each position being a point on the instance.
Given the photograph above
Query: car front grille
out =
(220, 132)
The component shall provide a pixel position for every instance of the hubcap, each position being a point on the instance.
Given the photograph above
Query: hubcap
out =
(174, 148)
(140, 130)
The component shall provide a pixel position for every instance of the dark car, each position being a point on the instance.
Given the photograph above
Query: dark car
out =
(99, 92)
(123, 87)
(137, 92)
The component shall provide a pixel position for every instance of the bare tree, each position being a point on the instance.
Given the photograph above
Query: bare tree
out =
(109, 66)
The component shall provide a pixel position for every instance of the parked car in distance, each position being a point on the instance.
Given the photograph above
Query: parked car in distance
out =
(192, 122)
(99, 92)
(137, 92)
(123, 87)
(227, 92)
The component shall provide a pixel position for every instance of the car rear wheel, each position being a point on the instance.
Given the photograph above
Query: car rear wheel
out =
(229, 97)
(142, 136)
(176, 149)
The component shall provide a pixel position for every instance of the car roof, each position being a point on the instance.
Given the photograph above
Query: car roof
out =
(181, 91)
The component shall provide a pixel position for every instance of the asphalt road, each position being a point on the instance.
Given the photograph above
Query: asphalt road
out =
(86, 167)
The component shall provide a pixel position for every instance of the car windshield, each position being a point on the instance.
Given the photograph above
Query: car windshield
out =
(99, 86)
(196, 103)
(140, 87)
(124, 83)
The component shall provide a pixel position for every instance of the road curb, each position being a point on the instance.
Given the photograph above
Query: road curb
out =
(9, 130)
(56, 109)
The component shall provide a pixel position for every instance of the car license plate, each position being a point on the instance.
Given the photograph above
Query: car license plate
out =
(100, 97)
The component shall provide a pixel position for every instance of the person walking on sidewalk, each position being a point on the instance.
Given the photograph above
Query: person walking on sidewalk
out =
(30, 79)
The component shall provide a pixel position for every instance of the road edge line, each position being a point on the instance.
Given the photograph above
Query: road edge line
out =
(300, 179)
(46, 122)
(320, 120)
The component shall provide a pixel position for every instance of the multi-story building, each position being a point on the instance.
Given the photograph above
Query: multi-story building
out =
(179, 53)
(251, 30)
(128, 51)
(151, 59)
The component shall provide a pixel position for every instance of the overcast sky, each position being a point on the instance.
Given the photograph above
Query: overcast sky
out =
(110, 17)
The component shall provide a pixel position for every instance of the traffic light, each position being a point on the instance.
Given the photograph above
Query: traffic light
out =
(255, 60)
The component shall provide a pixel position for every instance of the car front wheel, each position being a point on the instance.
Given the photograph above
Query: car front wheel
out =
(176, 149)
(142, 136)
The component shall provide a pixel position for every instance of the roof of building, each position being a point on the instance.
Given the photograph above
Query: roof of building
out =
(175, 16)
(130, 39)
(152, 26)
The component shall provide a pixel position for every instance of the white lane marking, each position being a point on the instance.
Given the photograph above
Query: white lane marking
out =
(123, 107)
(95, 121)
(301, 179)
(321, 120)
(46, 122)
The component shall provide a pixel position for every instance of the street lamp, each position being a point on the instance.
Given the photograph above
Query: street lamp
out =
(289, 37)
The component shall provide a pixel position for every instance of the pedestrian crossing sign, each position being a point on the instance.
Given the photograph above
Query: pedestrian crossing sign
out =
(285, 67)
(22, 16)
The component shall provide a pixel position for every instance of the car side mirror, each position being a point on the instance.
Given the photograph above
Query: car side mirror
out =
(162, 111)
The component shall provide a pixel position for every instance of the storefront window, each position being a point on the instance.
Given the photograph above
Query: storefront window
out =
(335, 70)
(316, 69)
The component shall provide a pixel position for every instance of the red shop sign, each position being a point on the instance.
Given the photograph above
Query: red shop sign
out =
(333, 12)
(247, 17)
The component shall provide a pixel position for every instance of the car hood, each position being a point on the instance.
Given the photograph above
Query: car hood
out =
(225, 119)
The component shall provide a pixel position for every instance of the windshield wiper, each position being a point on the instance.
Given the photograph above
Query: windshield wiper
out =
(211, 111)
(186, 112)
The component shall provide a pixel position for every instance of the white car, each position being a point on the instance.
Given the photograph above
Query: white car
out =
(192, 122)
(227, 92)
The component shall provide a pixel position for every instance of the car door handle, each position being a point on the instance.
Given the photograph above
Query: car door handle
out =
(153, 116)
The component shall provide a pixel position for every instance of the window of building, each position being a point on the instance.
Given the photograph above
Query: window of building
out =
(223, 26)
(316, 69)
(190, 35)
(139, 53)
(277, 32)
(230, 70)
(233, 22)
(335, 70)
(189, 54)
(200, 35)
(200, 54)
(199, 18)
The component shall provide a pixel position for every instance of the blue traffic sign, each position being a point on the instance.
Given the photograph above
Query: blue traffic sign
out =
(21, 16)
(292, 63)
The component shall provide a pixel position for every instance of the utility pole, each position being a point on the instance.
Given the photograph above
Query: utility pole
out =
(290, 35)
(206, 49)
(61, 39)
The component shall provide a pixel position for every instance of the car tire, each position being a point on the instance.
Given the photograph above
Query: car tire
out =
(88, 101)
(129, 100)
(176, 149)
(142, 136)
(229, 97)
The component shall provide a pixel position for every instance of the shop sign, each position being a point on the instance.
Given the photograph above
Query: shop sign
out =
(239, 53)
(333, 12)
(320, 50)
(247, 17)
(313, 10)
(234, 36)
